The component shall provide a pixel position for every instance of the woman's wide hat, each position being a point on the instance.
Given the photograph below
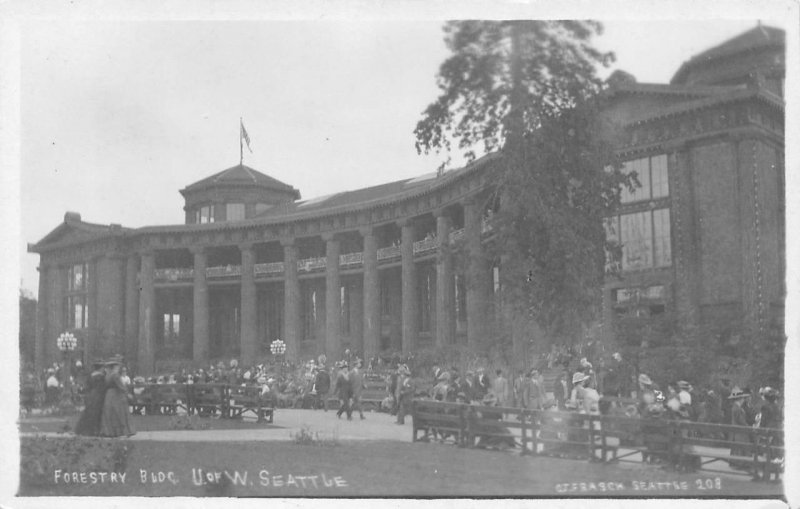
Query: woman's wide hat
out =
(645, 380)
(737, 393)
(579, 377)
(113, 360)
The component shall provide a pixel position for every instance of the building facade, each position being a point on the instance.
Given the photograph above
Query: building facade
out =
(403, 265)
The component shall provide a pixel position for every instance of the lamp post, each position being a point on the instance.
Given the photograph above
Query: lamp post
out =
(67, 342)
(278, 349)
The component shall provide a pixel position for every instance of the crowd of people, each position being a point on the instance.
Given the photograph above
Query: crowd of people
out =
(312, 385)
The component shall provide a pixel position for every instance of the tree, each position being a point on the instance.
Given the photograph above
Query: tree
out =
(530, 90)
(27, 326)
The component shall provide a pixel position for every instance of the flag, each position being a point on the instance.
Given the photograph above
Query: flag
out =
(245, 136)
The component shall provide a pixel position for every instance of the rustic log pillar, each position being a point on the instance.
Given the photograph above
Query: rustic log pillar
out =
(249, 328)
(200, 309)
(333, 302)
(409, 293)
(292, 302)
(445, 283)
(147, 318)
(371, 295)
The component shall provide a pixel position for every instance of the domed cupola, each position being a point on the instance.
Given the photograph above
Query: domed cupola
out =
(234, 194)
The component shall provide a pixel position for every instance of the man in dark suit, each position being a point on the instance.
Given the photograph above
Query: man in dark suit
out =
(344, 391)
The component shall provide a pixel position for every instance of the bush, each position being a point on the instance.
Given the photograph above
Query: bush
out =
(307, 437)
(41, 456)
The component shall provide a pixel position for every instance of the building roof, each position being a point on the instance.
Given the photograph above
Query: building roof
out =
(337, 203)
(241, 175)
(759, 37)
(662, 89)
(74, 230)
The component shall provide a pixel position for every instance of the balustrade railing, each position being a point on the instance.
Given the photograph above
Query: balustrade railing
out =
(456, 235)
(268, 268)
(224, 271)
(173, 274)
(311, 264)
(388, 252)
(351, 259)
(426, 245)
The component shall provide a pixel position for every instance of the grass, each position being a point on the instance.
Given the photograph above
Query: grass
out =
(377, 468)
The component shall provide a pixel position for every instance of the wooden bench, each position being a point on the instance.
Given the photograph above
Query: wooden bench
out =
(440, 420)
(248, 398)
(491, 426)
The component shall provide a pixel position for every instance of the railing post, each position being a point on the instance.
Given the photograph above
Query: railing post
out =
(462, 424)
(523, 432)
(413, 420)
(534, 429)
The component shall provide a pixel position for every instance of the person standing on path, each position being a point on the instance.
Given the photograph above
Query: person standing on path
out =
(114, 420)
(405, 389)
(344, 391)
(357, 382)
(500, 388)
(89, 422)
(322, 385)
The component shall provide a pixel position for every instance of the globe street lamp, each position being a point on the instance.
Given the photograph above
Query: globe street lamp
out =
(278, 349)
(67, 342)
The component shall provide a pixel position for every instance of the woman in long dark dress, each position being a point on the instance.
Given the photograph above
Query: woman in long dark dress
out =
(89, 422)
(114, 422)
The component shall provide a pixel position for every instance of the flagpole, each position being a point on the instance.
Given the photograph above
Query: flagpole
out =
(241, 149)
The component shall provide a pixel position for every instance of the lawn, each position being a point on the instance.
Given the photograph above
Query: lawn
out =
(380, 468)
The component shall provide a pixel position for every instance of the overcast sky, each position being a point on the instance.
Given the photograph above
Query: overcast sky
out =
(116, 117)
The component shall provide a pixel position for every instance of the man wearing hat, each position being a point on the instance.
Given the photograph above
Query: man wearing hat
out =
(357, 382)
(405, 388)
(344, 391)
(322, 385)
(739, 418)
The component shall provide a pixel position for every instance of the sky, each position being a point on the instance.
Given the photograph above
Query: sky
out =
(117, 116)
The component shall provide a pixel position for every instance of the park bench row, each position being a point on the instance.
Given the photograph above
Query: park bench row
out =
(229, 401)
(692, 445)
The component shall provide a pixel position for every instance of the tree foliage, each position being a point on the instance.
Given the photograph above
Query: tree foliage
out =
(530, 90)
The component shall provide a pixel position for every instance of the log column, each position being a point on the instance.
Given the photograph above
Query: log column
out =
(147, 298)
(131, 306)
(371, 294)
(333, 301)
(292, 303)
(479, 297)
(249, 328)
(200, 310)
(409, 293)
(445, 283)
(42, 305)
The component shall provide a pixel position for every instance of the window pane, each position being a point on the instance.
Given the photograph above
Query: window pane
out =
(642, 169)
(167, 331)
(261, 207)
(663, 251)
(660, 176)
(611, 226)
(77, 272)
(78, 314)
(235, 212)
(636, 238)
(176, 325)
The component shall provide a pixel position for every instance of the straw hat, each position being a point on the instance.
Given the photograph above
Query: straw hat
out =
(737, 393)
(683, 384)
(579, 377)
(645, 380)
(113, 360)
